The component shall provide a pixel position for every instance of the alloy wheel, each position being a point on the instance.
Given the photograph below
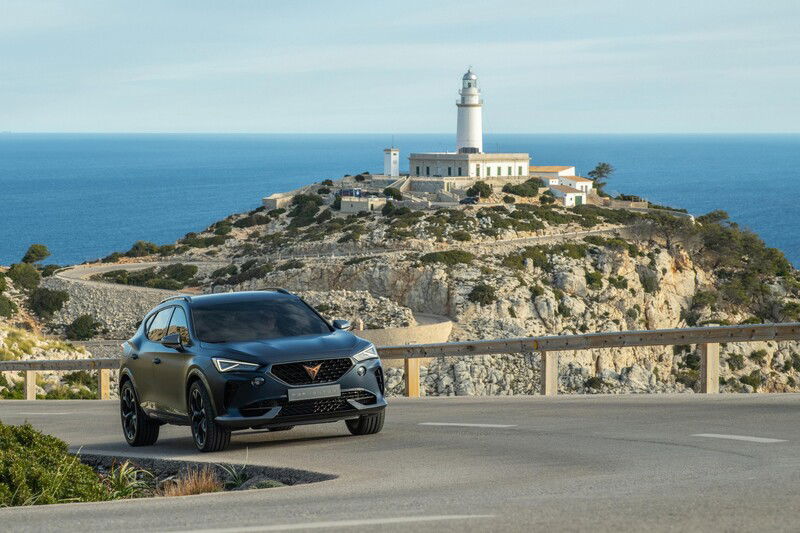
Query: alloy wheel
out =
(199, 418)
(129, 416)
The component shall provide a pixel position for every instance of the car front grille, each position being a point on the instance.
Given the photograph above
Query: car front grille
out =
(295, 373)
(328, 405)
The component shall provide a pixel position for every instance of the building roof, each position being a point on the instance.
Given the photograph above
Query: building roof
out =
(548, 168)
(470, 75)
(479, 157)
(577, 178)
(565, 189)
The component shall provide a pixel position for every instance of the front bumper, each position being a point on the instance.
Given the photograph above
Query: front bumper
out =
(241, 404)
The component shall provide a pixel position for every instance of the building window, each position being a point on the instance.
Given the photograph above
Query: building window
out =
(459, 171)
(427, 171)
(519, 171)
(417, 171)
(449, 171)
(478, 170)
(509, 172)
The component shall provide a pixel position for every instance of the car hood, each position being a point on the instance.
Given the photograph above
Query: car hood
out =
(327, 346)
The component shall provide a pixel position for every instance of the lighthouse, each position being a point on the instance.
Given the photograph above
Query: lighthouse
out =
(469, 131)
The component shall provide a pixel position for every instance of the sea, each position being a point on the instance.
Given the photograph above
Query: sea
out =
(87, 195)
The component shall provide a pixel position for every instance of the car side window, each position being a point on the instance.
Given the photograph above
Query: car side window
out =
(158, 326)
(179, 325)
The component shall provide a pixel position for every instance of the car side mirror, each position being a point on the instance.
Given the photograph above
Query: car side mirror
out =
(173, 340)
(342, 324)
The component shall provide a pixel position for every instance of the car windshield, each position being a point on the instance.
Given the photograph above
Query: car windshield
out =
(251, 321)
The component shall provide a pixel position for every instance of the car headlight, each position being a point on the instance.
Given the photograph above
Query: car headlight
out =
(228, 365)
(369, 353)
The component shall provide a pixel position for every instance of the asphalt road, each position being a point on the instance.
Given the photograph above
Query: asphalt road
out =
(597, 463)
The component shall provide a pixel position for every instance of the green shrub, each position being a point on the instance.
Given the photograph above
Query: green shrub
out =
(547, 199)
(83, 328)
(594, 280)
(179, 272)
(482, 294)
(289, 265)
(323, 190)
(142, 248)
(229, 270)
(759, 357)
(461, 235)
(3, 283)
(618, 282)
(649, 281)
(46, 302)
(536, 291)
(753, 379)
(688, 377)
(529, 188)
(509, 199)
(223, 228)
(449, 257)
(324, 216)
(7, 307)
(35, 253)
(24, 275)
(246, 274)
(328, 183)
(35, 469)
(735, 361)
(48, 270)
(481, 189)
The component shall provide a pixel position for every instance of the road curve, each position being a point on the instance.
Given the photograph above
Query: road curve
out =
(600, 463)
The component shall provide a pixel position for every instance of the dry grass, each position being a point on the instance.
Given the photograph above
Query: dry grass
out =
(196, 481)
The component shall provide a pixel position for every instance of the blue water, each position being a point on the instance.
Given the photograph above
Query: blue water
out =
(85, 196)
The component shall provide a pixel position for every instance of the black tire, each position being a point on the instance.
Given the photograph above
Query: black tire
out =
(138, 428)
(281, 428)
(366, 424)
(208, 436)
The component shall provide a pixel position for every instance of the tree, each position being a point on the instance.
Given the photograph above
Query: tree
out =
(392, 192)
(481, 189)
(142, 248)
(547, 198)
(7, 307)
(24, 275)
(600, 174)
(83, 328)
(35, 253)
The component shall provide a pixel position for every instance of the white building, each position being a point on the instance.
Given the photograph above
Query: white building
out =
(355, 204)
(391, 162)
(577, 182)
(550, 171)
(569, 197)
(469, 162)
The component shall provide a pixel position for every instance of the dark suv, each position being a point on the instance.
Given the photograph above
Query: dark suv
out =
(261, 360)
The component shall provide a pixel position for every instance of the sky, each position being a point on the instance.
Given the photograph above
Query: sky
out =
(395, 67)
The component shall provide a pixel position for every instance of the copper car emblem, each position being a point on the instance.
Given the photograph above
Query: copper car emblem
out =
(312, 371)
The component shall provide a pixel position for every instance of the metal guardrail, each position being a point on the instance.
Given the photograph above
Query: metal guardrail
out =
(708, 340)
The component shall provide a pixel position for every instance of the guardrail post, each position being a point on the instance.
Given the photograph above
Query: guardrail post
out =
(30, 384)
(103, 384)
(549, 374)
(411, 367)
(709, 367)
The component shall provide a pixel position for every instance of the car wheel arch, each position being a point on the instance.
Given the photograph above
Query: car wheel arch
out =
(194, 375)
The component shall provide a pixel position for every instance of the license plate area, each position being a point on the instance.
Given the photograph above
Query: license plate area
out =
(314, 393)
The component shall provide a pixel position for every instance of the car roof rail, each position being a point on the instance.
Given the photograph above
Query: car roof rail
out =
(181, 297)
(276, 289)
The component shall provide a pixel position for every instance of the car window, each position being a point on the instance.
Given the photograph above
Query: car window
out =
(158, 326)
(259, 320)
(179, 325)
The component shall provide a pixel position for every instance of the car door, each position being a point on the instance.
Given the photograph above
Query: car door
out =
(169, 375)
(149, 357)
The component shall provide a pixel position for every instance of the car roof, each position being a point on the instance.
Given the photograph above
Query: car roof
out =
(228, 297)
(243, 296)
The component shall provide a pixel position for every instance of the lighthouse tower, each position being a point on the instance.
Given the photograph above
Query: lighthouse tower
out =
(469, 136)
